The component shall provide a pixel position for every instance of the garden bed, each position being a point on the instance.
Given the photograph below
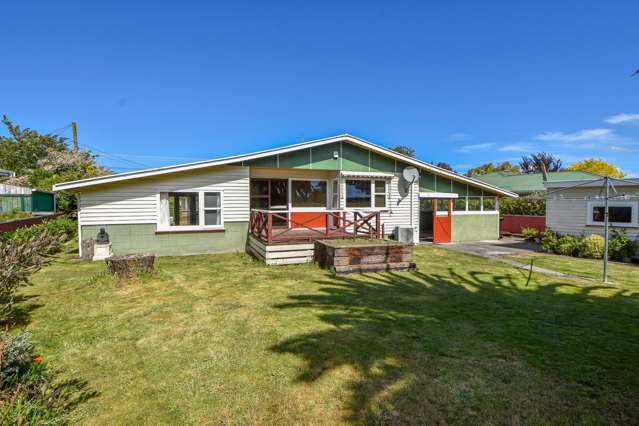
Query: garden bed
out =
(356, 256)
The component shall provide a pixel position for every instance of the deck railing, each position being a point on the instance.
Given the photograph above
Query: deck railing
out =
(314, 225)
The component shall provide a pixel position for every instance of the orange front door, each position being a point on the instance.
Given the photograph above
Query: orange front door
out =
(442, 222)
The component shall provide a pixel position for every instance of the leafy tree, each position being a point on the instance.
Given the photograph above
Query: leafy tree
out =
(597, 166)
(404, 150)
(484, 169)
(533, 163)
(40, 161)
(445, 166)
(22, 149)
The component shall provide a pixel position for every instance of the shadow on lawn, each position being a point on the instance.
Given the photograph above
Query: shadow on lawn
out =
(472, 347)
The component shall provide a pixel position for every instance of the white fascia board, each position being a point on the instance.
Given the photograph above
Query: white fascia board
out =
(247, 157)
(438, 195)
(367, 174)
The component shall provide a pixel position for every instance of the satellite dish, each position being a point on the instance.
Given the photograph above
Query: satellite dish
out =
(410, 174)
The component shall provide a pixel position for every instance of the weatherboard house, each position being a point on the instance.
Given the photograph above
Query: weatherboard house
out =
(274, 203)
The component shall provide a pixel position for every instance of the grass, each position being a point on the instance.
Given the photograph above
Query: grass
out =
(360, 242)
(223, 339)
(621, 273)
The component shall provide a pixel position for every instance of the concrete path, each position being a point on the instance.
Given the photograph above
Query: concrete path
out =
(508, 246)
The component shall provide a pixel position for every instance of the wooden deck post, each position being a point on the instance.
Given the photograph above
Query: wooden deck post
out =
(269, 228)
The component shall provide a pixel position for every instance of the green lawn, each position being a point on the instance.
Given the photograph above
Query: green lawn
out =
(223, 339)
(618, 273)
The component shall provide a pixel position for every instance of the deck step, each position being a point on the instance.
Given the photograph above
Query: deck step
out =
(280, 254)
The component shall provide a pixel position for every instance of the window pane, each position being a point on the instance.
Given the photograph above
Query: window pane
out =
(380, 200)
(279, 193)
(442, 205)
(358, 193)
(212, 217)
(474, 204)
(259, 203)
(620, 214)
(308, 193)
(212, 200)
(183, 208)
(598, 214)
(489, 204)
(459, 204)
(259, 187)
(380, 186)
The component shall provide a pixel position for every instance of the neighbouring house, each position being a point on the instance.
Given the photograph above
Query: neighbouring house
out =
(23, 199)
(577, 207)
(528, 184)
(340, 186)
(6, 173)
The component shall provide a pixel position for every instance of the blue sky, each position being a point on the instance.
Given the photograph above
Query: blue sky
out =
(154, 83)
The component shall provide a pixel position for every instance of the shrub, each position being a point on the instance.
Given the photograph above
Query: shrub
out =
(29, 393)
(549, 240)
(592, 247)
(530, 234)
(20, 259)
(524, 206)
(567, 245)
(59, 227)
(13, 214)
(620, 247)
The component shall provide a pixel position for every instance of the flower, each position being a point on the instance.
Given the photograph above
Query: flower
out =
(37, 360)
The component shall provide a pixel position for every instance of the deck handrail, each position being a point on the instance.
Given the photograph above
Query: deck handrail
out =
(336, 224)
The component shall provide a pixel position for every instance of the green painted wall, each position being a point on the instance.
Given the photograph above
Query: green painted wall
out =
(354, 158)
(475, 227)
(323, 158)
(426, 182)
(141, 238)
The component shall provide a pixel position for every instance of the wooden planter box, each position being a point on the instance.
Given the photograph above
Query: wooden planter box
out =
(356, 256)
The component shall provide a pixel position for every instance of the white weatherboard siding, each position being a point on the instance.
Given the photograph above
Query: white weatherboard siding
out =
(569, 215)
(137, 201)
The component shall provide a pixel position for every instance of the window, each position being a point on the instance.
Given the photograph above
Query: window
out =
(308, 193)
(474, 204)
(442, 205)
(620, 213)
(212, 209)
(183, 209)
(190, 210)
(380, 193)
(259, 194)
(459, 204)
(366, 193)
(490, 204)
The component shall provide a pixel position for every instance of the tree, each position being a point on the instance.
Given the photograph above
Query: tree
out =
(484, 169)
(597, 166)
(40, 161)
(445, 166)
(22, 149)
(533, 163)
(404, 150)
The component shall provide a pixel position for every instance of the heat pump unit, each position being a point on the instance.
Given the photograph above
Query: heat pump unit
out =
(404, 234)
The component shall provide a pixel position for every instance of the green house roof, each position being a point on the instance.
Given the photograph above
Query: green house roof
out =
(532, 182)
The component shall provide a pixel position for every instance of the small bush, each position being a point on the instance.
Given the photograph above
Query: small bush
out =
(12, 215)
(62, 226)
(549, 240)
(530, 234)
(592, 247)
(567, 245)
(620, 247)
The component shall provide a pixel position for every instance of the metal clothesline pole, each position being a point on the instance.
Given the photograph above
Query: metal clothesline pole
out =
(606, 230)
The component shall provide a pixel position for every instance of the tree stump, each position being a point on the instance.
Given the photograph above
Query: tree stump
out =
(130, 265)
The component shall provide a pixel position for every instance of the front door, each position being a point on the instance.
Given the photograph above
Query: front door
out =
(442, 221)
(426, 219)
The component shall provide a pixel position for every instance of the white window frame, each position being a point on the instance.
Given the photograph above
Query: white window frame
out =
(371, 180)
(164, 215)
(633, 215)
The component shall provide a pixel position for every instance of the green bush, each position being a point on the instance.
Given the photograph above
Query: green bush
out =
(61, 226)
(549, 241)
(523, 206)
(567, 245)
(620, 247)
(12, 215)
(592, 247)
(530, 234)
